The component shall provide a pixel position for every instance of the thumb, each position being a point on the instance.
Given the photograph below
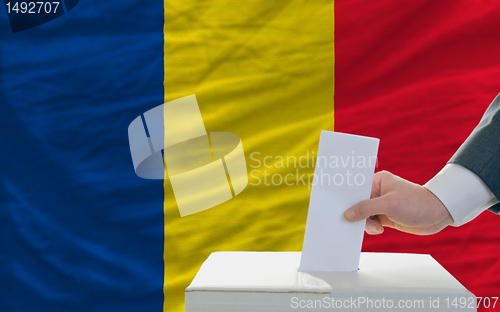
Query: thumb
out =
(367, 208)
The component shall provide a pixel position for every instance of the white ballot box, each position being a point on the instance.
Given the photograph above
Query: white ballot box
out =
(271, 282)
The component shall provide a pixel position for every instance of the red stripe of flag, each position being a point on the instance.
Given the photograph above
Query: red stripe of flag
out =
(419, 75)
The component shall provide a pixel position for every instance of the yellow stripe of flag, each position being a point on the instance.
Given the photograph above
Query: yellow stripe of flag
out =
(262, 70)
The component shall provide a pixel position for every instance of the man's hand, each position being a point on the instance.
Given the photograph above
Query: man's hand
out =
(402, 205)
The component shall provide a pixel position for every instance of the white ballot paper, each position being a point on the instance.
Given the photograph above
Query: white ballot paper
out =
(343, 177)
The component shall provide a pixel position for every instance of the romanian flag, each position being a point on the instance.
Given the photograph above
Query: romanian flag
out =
(82, 231)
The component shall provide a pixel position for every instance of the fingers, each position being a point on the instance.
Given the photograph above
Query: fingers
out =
(373, 226)
(369, 207)
(376, 188)
(379, 180)
(384, 221)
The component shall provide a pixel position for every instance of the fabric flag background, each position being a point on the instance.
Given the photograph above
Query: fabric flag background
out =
(264, 71)
(419, 76)
(81, 232)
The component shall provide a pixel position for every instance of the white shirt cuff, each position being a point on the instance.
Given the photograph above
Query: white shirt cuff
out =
(462, 192)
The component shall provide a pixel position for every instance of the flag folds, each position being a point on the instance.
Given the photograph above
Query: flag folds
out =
(419, 76)
(263, 71)
(81, 231)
